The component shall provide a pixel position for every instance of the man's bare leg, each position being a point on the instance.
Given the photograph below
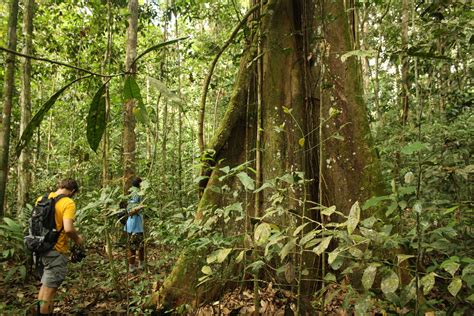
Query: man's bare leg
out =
(46, 296)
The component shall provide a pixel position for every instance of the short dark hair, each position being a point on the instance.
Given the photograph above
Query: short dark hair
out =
(136, 182)
(69, 184)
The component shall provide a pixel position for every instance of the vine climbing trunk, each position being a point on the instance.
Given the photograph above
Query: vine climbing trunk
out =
(24, 174)
(8, 90)
(278, 96)
(129, 136)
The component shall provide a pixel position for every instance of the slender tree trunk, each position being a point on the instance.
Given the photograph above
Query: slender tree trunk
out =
(8, 103)
(405, 61)
(106, 66)
(129, 137)
(24, 174)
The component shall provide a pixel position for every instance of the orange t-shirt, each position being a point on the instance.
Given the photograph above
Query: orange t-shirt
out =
(65, 208)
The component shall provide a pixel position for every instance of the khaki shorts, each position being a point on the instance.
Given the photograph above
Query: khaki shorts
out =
(55, 269)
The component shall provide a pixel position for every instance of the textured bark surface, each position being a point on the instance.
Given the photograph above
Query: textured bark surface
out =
(8, 102)
(129, 137)
(350, 169)
(24, 175)
(291, 102)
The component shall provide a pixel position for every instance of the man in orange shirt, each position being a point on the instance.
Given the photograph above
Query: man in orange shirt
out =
(55, 260)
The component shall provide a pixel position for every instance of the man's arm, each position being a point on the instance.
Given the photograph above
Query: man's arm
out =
(71, 231)
(136, 209)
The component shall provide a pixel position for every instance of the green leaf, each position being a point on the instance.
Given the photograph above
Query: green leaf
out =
(322, 246)
(307, 237)
(301, 142)
(131, 91)
(333, 255)
(428, 281)
(206, 270)
(240, 257)
(300, 228)
(369, 276)
(256, 266)
(38, 118)
(262, 233)
(390, 283)
(96, 119)
(359, 53)
(248, 182)
(450, 266)
(290, 245)
(330, 277)
(354, 217)
(263, 187)
(402, 258)
(222, 254)
(413, 148)
(329, 210)
(455, 286)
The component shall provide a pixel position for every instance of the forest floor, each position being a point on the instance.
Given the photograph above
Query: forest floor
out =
(90, 289)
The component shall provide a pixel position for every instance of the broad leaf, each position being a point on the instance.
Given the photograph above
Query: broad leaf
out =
(206, 270)
(290, 245)
(131, 91)
(240, 257)
(222, 254)
(96, 119)
(450, 266)
(455, 286)
(38, 118)
(322, 246)
(402, 258)
(428, 281)
(262, 233)
(333, 255)
(329, 210)
(354, 217)
(413, 148)
(248, 182)
(390, 283)
(358, 53)
(369, 276)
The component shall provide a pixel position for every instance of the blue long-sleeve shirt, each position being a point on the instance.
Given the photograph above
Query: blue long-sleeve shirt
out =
(134, 222)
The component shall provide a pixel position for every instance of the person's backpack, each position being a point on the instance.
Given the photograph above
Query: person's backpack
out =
(42, 234)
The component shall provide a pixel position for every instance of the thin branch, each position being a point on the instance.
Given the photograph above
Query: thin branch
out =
(211, 71)
(57, 63)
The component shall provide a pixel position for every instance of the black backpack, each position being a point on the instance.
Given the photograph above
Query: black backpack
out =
(42, 234)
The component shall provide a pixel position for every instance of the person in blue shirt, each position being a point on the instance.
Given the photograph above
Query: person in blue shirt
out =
(134, 228)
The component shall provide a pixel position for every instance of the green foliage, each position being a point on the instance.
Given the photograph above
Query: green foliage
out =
(96, 120)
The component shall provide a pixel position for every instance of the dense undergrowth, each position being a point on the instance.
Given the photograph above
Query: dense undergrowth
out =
(418, 235)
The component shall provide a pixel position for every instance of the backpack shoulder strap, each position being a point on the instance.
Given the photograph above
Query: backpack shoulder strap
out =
(59, 197)
(56, 199)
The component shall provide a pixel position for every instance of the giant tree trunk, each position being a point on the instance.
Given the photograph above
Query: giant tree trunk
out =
(7, 105)
(129, 137)
(303, 77)
(24, 175)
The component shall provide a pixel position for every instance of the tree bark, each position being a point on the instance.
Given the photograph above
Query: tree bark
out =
(8, 102)
(405, 62)
(106, 65)
(290, 112)
(24, 175)
(129, 136)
